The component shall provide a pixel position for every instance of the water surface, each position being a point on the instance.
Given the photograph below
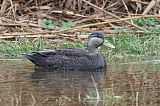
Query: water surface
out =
(21, 84)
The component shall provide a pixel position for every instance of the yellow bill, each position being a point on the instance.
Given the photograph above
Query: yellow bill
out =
(106, 43)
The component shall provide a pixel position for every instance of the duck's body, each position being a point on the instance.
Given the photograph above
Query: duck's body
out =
(69, 59)
(72, 59)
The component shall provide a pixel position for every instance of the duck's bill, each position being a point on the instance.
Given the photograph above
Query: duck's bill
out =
(106, 43)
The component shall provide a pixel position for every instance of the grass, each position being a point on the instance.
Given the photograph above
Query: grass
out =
(16, 49)
(135, 44)
(126, 45)
(56, 25)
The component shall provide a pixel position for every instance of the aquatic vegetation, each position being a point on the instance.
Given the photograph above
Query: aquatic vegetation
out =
(110, 98)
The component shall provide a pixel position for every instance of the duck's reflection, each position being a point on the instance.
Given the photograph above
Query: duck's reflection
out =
(69, 83)
(62, 78)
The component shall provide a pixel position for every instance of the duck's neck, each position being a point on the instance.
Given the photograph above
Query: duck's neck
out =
(92, 49)
(92, 45)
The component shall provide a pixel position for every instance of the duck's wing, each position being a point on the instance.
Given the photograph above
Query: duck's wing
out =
(71, 52)
(68, 62)
(62, 52)
(63, 59)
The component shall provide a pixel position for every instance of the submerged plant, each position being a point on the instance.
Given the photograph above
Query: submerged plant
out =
(109, 97)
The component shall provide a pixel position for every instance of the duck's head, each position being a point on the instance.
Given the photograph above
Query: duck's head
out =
(95, 40)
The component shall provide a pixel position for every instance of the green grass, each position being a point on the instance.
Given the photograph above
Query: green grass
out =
(16, 49)
(126, 45)
(135, 44)
(148, 23)
(56, 25)
(130, 45)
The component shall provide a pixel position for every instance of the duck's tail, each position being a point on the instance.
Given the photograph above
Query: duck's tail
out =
(36, 58)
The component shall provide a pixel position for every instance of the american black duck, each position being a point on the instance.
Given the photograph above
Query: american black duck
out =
(73, 59)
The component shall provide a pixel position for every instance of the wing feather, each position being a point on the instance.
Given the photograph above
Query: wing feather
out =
(64, 52)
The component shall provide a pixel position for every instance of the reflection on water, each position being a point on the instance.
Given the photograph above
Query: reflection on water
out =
(73, 85)
(21, 84)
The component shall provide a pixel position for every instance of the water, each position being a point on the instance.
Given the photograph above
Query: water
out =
(134, 84)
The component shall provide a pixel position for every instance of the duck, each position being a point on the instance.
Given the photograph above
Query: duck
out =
(72, 58)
